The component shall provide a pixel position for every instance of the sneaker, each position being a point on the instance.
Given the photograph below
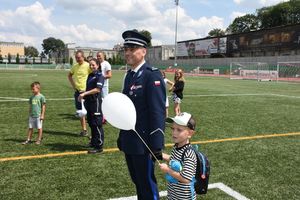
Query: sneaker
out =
(26, 142)
(94, 151)
(83, 133)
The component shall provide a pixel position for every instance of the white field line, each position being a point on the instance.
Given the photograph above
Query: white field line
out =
(282, 95)
(60, 99)
(12, 99)
(222, 95)
(219, 186)
(228, 95)
(8, 99)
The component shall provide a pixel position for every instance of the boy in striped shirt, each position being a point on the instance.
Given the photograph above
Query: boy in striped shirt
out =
(183, 128)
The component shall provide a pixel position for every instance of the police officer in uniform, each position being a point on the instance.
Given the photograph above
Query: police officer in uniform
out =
(92, 103)
(145, 87)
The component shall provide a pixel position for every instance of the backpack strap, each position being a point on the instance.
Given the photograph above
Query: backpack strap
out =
(200, 159)
(192, 183)
(184, 152)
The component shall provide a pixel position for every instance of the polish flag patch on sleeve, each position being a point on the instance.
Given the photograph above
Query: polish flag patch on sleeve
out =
(157, 83)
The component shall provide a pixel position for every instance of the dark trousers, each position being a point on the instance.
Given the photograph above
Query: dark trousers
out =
(141, 169)
(94, 118)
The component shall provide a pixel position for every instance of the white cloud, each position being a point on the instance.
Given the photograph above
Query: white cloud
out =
(103, 28)
(257, 3)
(236, 14)
(238, 1)
(31, 24)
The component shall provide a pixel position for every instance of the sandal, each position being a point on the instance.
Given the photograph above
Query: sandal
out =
(38, 142)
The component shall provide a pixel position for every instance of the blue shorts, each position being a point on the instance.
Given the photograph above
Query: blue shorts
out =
(77, 103)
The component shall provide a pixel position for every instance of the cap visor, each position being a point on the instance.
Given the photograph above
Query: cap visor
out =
(171, 120)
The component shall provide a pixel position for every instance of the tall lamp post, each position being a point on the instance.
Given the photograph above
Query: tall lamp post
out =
(175, 53)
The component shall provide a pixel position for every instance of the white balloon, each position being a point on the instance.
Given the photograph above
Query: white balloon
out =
(83, 110)
(81, 113)
(119, 111)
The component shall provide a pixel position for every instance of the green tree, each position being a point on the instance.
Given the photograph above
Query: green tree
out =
(18, 58)
(216, 32)
(1, 59)
(109, 60)
(147, 34)
(113, 60)
(31, 51)
(9, 58)
(71, 61)
(120, 60)
(243, 24)
(26, 60)
(53, 47)
(43, 55)
(282, 14)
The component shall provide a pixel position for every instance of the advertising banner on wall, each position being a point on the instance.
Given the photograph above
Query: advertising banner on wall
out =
(202, 47)
(283, 37)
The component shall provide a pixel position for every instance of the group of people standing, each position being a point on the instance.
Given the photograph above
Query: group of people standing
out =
(90, 82)
(146, 88)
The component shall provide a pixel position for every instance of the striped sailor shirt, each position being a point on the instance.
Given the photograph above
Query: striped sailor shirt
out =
(183, 191)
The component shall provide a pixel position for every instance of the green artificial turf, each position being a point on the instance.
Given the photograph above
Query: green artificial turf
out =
(258, 169)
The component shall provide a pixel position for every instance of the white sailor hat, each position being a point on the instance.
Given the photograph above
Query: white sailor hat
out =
(134, 38)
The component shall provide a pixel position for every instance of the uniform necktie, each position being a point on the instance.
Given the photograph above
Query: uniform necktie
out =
(132, 73)
(130, 77)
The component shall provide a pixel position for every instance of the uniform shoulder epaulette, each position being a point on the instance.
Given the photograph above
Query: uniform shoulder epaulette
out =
(99, 73)
(152, 68)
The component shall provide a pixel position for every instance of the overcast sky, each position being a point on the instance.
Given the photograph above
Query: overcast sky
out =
(100, 23)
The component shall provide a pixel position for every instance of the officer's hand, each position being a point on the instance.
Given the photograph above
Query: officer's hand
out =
(80, 97)
(158, 155)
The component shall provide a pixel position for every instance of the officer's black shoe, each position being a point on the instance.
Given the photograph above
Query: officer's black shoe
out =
(94, 151)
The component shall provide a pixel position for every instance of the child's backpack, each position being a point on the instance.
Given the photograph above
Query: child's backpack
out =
(202, 170)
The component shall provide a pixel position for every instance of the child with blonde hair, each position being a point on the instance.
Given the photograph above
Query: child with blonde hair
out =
(177, 90)
(181, 183)
(37, 107)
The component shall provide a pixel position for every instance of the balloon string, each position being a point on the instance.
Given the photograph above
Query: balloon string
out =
(146, 146)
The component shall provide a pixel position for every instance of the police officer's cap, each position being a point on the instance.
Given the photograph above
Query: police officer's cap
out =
(134, 38)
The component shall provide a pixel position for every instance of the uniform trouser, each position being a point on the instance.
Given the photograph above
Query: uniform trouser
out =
(141, 169)
(94, 118)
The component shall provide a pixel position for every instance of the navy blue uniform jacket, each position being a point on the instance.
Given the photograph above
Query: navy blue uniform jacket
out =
(147, 91)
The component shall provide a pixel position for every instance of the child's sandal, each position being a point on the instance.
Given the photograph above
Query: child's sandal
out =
(38, 142)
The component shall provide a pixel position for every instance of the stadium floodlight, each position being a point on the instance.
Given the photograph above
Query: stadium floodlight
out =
(175, 52)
